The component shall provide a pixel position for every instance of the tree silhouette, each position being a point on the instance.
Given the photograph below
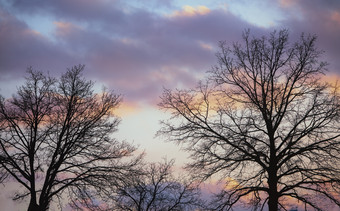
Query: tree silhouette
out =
(266, 119)
(157, 189)
(55, 138)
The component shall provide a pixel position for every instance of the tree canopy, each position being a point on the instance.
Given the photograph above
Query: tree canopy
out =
(265, 118)
(157, 189)
(56, 140)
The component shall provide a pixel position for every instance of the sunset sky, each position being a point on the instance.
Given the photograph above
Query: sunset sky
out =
(139, 47)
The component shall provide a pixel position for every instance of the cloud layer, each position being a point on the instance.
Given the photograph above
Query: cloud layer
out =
(137, 50)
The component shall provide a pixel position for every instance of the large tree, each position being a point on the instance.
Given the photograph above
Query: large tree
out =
(266, 119)
(56, 137)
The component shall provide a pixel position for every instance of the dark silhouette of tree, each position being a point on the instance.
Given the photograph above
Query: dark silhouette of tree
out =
(56, 137)
(156, 189)
(266, 119)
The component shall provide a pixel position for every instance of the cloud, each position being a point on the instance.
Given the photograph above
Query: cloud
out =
(335, 16)
(149, 51)
(287, 3)
(64, 28)
(77, 10)
(189, 11)
(22, 47)
(321, 19)
(127, 108)
(137, 51)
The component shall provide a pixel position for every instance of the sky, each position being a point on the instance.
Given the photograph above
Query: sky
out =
(138, 48)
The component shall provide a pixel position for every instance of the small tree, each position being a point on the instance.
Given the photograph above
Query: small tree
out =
(157, 189)
(55, 136)
(266, 119)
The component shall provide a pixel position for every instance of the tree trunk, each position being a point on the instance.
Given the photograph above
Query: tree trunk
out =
(272, 173)
(33, 206)
(33, 202)
(273, 202)
(273, 194)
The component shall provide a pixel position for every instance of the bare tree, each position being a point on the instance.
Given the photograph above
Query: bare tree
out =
(266, 119)
(157, 189)
(56, 137)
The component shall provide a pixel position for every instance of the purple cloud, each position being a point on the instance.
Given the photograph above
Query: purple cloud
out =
(22, 47)
(321, 18)
(136, 51)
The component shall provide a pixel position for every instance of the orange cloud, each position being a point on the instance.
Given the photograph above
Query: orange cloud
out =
(64, 28)
(189, 11)
(63, 25)
(32, 32)
(336, 17)
(205, 46)
(331, 78)
(127, 108)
